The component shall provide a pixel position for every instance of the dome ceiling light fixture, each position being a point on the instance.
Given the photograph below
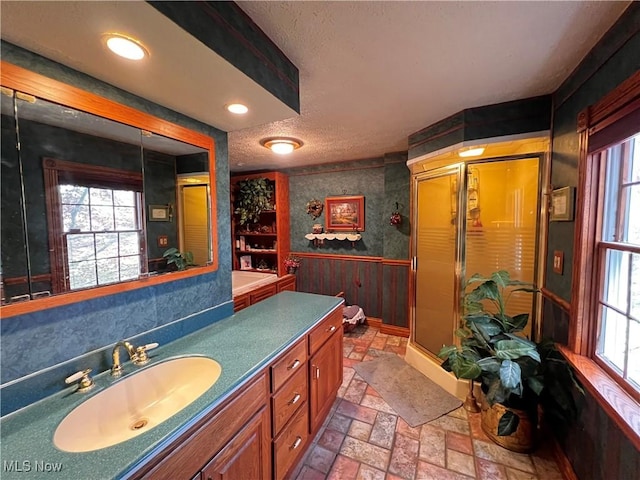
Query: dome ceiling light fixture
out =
(125, 46)
(470, 152)
(281, 145)
(237, 108)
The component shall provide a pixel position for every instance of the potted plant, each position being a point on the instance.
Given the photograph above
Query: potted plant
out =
(252, 197)
(517, 375)
(292, 263)
(181, 260)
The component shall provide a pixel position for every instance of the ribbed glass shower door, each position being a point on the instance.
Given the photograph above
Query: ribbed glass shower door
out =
(475, 218)
(436, 252)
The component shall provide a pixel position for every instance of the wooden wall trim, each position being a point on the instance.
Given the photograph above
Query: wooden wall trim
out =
(615, 100)
(614, 400)
(561, 302)
(394, 262)
(564, 465)
(330, 256)
(44, 277)
(386, 328)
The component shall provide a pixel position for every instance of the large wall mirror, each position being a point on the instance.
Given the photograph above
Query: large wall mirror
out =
(93, 195)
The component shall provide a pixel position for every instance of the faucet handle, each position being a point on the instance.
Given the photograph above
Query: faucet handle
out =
(141, 357)
(86, 382)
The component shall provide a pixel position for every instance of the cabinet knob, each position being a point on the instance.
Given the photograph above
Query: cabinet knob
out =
(295, 399)
(331, 329)
(294, 365)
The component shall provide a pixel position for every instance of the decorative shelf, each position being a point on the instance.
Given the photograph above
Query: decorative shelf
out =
(319, 238)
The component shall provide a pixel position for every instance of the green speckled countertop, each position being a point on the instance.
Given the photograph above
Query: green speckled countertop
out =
(243, 344)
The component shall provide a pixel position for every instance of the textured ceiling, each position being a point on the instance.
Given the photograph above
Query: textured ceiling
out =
(371, 73)
(180, 73)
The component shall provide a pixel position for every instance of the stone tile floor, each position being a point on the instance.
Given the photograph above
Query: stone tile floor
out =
(364, 439)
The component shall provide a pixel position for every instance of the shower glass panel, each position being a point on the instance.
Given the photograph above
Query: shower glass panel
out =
(436, 230)
(195, 222)
(502, 213)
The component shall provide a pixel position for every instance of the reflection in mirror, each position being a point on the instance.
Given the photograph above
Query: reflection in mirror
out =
(176, 190)
(93, 193)
(89, 180)
(83, 198)
(14, 268)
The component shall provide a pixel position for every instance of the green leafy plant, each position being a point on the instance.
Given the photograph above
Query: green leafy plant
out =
(512, 369)
(181, 260)
(252, 197)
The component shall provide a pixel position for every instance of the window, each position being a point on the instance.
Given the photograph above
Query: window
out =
(617, 335)
(102, 235)
(604, 334)
(95, 224)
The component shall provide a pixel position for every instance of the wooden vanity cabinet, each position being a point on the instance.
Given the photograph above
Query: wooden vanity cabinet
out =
(262, 431)
(325, 370)
(232, 440)
(246, 456)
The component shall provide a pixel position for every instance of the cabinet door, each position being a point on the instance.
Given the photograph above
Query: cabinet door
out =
(325, 373)
(246, 456)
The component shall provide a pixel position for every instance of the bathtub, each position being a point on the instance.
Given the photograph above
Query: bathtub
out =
(244, 282)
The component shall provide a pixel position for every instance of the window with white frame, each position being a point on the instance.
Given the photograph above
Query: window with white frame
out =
(102, 234)
(617, 334)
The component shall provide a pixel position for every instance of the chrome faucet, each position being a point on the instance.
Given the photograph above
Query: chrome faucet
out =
(137, 355)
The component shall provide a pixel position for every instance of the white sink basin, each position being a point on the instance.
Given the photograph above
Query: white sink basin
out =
(136, 404)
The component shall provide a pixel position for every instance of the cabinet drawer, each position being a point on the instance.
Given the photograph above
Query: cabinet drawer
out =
(288, 399)
(263, 292)
(323, 331)
(291, 442)
(289, 364)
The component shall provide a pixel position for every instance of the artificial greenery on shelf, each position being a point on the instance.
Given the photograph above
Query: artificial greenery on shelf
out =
(252, 197)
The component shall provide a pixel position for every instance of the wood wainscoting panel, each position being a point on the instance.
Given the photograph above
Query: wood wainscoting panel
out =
(380, 286)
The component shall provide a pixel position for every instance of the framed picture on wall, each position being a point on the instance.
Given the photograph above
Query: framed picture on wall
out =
(344, 213)
(159, 213)
(562, 204)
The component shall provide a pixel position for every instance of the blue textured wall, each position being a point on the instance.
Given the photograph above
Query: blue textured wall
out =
(33, 342)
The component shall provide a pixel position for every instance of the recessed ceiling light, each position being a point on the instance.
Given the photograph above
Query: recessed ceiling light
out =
(471, 151)
(237, 108)
(281, 145)
(125, 46)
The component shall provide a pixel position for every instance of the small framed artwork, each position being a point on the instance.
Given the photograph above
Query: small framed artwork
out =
(245, 262)
(562, 204)
(344, 213)
(159, 213)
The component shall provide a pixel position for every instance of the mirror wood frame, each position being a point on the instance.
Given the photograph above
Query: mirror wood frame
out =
(26, 81)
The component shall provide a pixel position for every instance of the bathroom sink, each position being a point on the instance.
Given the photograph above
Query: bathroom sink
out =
(136, 404)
